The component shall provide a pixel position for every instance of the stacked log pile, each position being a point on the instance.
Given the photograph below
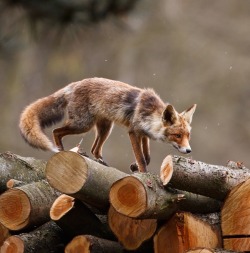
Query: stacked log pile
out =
(74, 204)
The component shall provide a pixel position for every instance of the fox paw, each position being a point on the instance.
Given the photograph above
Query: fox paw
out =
(101, 161)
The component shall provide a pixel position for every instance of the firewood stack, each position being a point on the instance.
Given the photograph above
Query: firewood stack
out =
(73, 204)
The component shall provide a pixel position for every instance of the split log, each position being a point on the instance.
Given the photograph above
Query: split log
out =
(82, 178)
(184, 231)
(47, 238)
(190, 175)
(130, 232)
(75, 218)
(142, 195)
(91, 244)
(27, 205)
(25, 169)
(235, 218)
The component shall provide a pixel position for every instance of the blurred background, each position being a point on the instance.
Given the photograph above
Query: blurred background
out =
(192, 51)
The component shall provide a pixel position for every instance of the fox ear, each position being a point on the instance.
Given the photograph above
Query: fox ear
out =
(170, 115)
(188, 114)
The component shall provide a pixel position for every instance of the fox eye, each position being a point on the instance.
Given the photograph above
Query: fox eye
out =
(178, 136)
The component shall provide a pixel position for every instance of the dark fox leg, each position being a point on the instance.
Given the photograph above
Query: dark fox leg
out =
(136, 141)
(145, 148)
(67, 129)
(103, 130)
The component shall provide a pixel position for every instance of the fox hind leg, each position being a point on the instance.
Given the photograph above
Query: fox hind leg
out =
(103, 130)
(68, 129)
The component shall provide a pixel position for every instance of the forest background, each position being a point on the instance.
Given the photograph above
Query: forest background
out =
(192, 51)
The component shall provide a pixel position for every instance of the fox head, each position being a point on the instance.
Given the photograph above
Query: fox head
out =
(177, 127)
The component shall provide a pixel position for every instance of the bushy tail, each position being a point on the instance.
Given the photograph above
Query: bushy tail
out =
(38, 115)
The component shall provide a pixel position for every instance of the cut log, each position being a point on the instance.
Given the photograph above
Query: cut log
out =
(14, 183)
(190, 175)
(235, 218)
(25, 169)
(27, 206)
(184, 231)
(47, 238)
(166, 171)
(75, 218)
(142, 195)
(91, 244)
(4, 233)
(82, 178)
(130, 232)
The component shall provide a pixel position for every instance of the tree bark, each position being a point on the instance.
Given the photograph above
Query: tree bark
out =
(130, 232)
(91, 244)
(75, 218)
(235, 218)
(183, 232)
(47, 238)
(27, 206)
(25, 169)
(190, 175)
(142, 195)
(82, 178)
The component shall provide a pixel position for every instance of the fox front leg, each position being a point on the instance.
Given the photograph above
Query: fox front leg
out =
(136, 142)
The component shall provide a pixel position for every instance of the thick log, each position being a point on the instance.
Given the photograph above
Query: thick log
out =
(27, 206)
(190, 175)
(91, 244)
(235, 218)
(75, 218)
(130, 232)
(142, 195)
(184, 231)
(47, 238)
(82, 178)
(25, 169)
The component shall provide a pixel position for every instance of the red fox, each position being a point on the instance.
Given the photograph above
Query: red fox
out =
(98, 102)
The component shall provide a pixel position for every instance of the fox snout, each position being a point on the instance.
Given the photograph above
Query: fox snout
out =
(182, 149)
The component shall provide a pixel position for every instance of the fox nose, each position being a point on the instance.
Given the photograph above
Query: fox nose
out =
(188, 150)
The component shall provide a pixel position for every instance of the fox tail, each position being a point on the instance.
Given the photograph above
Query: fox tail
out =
(42, 113)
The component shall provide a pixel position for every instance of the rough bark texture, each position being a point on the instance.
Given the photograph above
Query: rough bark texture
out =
(209, 180)
(25, 169)
(235, 218)
(82, 178)
(75, 218)
(130, 232)
(27, 206)
(47, 238)
(142, 195)
(183, 232)
(196, 203)
(91, 244)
